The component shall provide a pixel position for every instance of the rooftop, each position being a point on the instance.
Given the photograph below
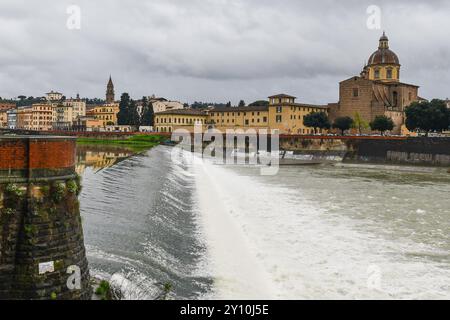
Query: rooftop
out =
(240, 109)
(282, 95)
(192, 112)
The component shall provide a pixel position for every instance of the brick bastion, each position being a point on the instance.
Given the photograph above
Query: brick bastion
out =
(42, 253)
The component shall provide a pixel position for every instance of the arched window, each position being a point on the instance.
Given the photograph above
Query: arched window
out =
(389, 73)
(395, 98)
(377, 73)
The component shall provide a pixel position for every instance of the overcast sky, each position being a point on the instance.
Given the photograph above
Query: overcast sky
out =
(216, 50)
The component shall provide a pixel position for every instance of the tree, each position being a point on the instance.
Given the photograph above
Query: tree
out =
(123, 117)
(382, 124)
(259, 103)
(359, 123)
(343, 123)
(241, 103)
(147, 113)
(21, 98)
(134, 118)
(427, 116)
(228, 105)
(317, 120)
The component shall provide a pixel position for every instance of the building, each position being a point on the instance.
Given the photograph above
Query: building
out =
(110, 92)
(53, 96)
(377, 90)
(286, 115)
(6, 105)
(24, 119)
(3, 119)
(42, 116)
(168, 121)
(238, 117)
(162, 104)
(64, 117)
(106, 113)
(87, 123)
(12, 118)
(78, 107)
(282, 113)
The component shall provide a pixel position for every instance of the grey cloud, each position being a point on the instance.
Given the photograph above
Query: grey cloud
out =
(215, 49)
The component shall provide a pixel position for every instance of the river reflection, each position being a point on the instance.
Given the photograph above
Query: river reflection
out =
(99, 157)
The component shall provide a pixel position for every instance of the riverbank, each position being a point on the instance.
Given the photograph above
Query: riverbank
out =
(136, 142)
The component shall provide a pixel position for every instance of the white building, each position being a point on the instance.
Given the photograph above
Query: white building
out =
(162, 104)
(78, 107)
(53, 96)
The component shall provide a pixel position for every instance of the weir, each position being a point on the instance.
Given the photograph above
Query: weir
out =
(42, 253)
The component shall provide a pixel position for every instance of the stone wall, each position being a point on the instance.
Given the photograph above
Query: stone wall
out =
(383, 150)
(42, 254)
(411, 151)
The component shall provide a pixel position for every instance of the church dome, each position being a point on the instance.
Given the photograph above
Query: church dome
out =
(383, 55)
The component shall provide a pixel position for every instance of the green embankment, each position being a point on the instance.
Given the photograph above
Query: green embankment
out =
(137, 142)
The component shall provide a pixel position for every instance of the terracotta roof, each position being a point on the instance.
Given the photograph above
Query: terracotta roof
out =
(282, 95)
(310, 105)
(383, 56)
(240, 109)
(183, 111)
(394, 83)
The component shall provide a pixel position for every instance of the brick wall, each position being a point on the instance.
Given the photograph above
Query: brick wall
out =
(40, 223)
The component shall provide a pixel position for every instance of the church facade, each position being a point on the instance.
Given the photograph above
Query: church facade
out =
(377, 90)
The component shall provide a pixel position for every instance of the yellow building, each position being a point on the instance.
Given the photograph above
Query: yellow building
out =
(287, 116)
(24, 118)
(42, 116)
(38, 117)
(282, 113)
(64, 117)
(106, 113)
(240, 117)
(3, 119)
(170, 120)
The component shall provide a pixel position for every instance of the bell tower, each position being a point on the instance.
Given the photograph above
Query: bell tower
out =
(110, 91)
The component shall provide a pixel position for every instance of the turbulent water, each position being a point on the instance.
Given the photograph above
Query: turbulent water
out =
(352, 232)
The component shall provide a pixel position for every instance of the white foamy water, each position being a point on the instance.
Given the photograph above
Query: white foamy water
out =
(270, 238)
(351, 232)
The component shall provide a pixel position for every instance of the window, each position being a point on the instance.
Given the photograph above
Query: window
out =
(355, 92)
(279, 109)
(377, 74)
(246, 122)
(264, 119)
(395, 98)
(278, 118)
(389, 74)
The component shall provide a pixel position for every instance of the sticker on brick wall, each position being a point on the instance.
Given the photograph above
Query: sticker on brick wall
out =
(45, 267)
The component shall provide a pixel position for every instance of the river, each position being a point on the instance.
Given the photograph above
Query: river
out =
(309, 232)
